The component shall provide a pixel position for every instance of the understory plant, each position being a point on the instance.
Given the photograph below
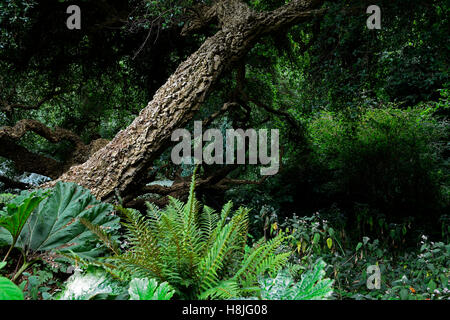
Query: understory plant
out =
(8, 290)
(95, 283)
(312, 285)
(415, 273)
(17, 212)
(44, 225)
(200, 253)
(149, 289)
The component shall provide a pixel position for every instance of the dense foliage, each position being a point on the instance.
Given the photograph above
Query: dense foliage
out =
(196, 250)
(364, 179)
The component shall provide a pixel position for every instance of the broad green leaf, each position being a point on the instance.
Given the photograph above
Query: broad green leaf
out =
(55, 223)
(312, 286)
(358, 246)
(432, 285)
(329, 243)
(89, 285)
(331, 231)
(316, 238)
(404, 294)
(9, 291)
(17, 213)
(145, 289)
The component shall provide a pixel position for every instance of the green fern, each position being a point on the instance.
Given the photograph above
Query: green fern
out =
(200, 253)
(101, 234)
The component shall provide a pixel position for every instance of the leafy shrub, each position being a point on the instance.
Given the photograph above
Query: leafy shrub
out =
(422, 275)
(39, 282)
(390, 159)
(312, 234)
(411, 273)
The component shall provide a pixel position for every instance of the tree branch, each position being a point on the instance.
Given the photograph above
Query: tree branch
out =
(28, 161)
(241, 80)
(8, 108)
(55, 135)
(199, 17)
(25, 160)
(292, 13)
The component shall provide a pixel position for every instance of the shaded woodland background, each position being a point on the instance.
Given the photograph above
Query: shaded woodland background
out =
(363, 114)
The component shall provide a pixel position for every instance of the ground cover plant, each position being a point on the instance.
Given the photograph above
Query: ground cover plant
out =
(100, 201)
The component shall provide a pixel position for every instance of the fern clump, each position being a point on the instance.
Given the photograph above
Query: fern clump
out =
(200, 253)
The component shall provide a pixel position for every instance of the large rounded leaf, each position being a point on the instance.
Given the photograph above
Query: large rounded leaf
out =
(9, 291)
(90, 283)
(55, 223)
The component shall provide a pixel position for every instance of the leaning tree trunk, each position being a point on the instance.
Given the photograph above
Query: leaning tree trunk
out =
(124, 160)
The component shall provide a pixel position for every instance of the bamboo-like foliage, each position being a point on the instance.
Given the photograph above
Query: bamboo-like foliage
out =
(201, 253)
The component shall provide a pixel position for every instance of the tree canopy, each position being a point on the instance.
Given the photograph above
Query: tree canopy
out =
(67, 93)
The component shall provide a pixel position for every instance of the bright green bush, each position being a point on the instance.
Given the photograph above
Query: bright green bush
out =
(389, 159)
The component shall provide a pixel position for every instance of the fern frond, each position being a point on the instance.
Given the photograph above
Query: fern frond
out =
(273, 263)
(112, 269)
(256, 261)
(213, 261)
(224, 215)
(102, 235)
(208, 222)
(154, 216)
(227, 289)
(171, 243)
(235, 253)
(191, 199)
(145, 251)
(136, 268)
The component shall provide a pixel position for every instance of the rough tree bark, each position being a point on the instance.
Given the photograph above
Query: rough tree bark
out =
(120, 165)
